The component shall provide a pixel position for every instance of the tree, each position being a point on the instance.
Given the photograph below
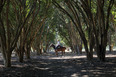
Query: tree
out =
(94, 18)
(16, 26)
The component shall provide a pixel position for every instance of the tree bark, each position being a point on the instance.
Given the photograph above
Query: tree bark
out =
(21, 54)
(27, 52)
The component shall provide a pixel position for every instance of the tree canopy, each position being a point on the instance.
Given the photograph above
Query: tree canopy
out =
(26, 24)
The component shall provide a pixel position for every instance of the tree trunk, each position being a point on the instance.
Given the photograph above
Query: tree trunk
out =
(27, 52)
(92, 44)
(38, 49)
(46, 48)
(88, 54)
(80, 49)
(21, 57)
(21, 54)
(41, 44)
(101, 53)
(101, 48)
(8, 52)
(6, 57)
(109, 40)
(8, 60)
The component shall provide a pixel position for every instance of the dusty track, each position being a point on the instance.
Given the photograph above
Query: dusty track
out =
(70, 65)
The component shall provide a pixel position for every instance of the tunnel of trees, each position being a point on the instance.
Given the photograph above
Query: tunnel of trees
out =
(34, 24)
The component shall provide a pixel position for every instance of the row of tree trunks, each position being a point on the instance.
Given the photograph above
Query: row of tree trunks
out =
(76, 45)
(9, 45)
(16, 27)
(76, 21)
(25, 38)
(97, 27)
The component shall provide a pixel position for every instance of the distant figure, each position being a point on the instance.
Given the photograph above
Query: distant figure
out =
(58, 49)
(58, 44)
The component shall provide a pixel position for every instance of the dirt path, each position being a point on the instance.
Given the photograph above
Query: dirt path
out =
(70, 65)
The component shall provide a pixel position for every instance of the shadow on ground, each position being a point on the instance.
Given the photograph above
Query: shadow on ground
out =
(77, 67)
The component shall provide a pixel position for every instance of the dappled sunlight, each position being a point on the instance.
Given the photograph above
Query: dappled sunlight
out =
(41, 68)
(111, 55)
(83, 70)
(85, 76)
(71, 65)
(67, 57)
(1, 65)
(74, 75)
(58, 38)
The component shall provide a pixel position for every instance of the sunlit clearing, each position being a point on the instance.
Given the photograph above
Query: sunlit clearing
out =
(85, 76)
(41, 68)
(83, 71)
(67, 57)
(74, 75)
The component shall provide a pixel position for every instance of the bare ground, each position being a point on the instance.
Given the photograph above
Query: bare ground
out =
(70, 65)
